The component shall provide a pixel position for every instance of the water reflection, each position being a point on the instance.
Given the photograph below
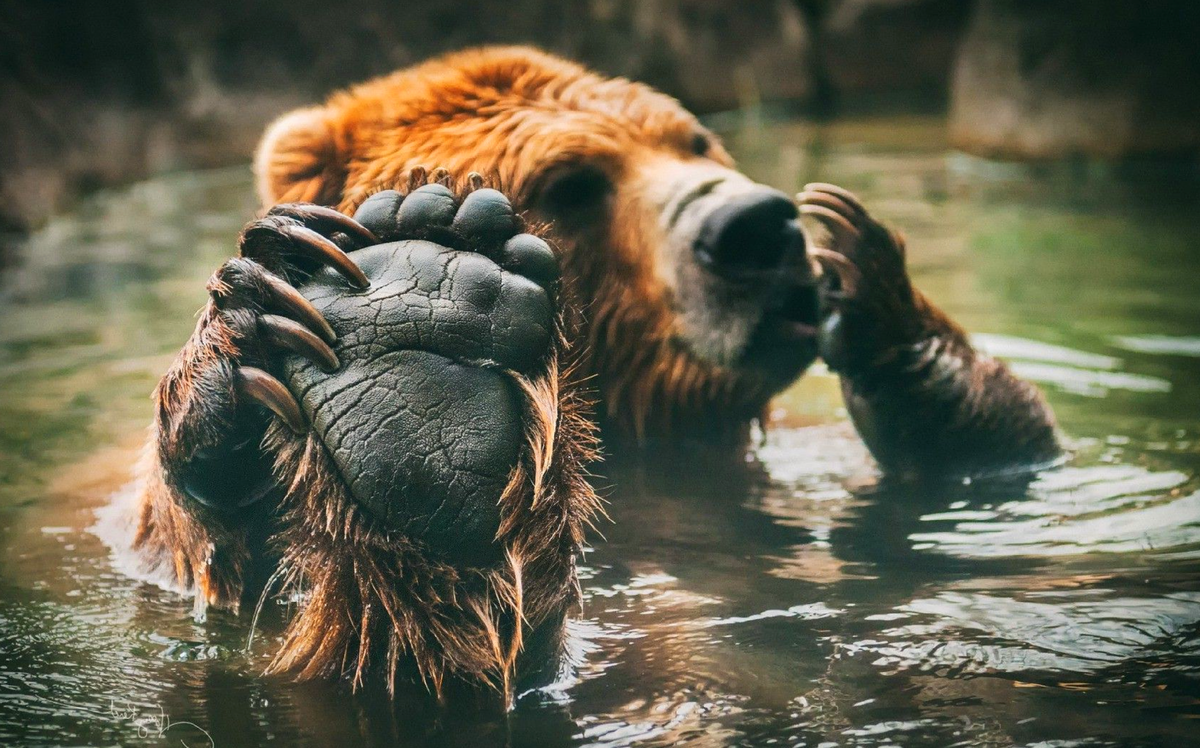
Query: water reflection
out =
(1052, 632)
(1167, 345)
(1104, 509)
(793, 597)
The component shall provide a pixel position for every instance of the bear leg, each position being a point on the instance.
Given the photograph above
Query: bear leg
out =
(435, 510)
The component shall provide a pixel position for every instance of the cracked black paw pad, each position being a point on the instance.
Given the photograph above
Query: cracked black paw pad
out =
(423, 419)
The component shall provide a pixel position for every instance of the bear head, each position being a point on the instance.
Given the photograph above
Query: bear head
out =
(696, 299)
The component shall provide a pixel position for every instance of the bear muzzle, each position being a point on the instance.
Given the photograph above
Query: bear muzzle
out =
(749, 235)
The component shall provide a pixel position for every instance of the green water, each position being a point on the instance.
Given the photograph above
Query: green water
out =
(793, 602)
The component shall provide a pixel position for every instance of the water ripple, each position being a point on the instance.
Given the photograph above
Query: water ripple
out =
(1100, 509)
(978, 633)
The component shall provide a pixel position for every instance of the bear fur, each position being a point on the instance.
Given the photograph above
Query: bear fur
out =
(376, 603)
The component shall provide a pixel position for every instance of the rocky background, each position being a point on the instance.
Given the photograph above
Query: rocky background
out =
(104, 91)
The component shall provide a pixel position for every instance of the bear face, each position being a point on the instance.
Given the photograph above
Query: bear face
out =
(698, 300)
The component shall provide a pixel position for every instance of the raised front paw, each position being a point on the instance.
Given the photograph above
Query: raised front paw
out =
(424, 417)
(868, 306)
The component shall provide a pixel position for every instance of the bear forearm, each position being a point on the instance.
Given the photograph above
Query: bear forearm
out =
(936, 406)
(209, 450)
(203, 460)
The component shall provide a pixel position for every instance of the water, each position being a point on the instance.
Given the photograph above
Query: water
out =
(791, 601)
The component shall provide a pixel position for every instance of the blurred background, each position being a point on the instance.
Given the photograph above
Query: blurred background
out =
(101, 93)
(1043, 158)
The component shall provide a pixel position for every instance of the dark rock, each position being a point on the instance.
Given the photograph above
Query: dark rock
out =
(97, 93)
(886, 48)
(1043, 80)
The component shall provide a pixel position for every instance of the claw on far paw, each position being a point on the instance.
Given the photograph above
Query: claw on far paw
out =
(838, 225)
(831, 261)
(417, 176)
(840, 214)
(848, 202)
(836, 209)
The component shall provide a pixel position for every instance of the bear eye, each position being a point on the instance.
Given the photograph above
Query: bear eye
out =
(701, 144)
(570, 190)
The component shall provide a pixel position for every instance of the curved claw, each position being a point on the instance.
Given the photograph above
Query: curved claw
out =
(838, 223)
(262, 388)
(328, 218)
(846, 270)
(441, 175)
(297, 338)
(299, 308)
(416, 177)
(827, 200)
(832, 189)
(320, 249)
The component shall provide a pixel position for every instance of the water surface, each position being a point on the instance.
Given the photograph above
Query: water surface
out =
(791, 601)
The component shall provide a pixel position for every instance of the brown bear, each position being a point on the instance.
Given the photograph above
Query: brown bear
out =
(428, 356)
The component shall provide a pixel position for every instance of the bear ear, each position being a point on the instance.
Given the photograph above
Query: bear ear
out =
(300, 159)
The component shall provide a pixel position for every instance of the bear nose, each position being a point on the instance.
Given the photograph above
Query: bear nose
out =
(749, 234)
